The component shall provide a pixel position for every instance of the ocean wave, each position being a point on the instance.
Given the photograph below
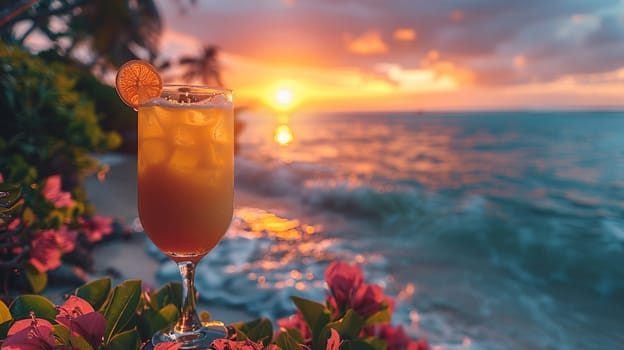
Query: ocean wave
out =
(511, 234)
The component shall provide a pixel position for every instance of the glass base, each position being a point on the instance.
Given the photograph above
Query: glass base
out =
(197, 339)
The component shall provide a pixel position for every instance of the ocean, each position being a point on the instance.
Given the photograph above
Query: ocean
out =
(492, 230)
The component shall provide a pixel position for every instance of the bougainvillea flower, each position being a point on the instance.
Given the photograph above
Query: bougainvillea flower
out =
(73, 306)
(343, 279)
(66, 239)
(52, 192)
(14, 224)
(45, 254)
(48, 246)
(96, 227)
(333, 342)
(367, 300)
(30, 334)
(297, 322)
(82, 320)
(420, 344)
(226, 344)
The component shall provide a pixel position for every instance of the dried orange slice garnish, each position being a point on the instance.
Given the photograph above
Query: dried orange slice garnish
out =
(137, 82)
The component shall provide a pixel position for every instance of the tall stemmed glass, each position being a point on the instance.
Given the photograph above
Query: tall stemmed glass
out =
(186, 188)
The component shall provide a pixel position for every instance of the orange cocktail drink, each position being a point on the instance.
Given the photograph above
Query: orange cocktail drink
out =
(185, 172)
(185, 181)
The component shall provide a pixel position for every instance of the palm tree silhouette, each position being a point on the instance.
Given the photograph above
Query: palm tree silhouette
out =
(204, 67)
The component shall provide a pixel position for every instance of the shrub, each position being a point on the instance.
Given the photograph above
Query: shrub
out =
(48, 135)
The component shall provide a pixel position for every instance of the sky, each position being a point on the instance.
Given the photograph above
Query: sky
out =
(408, 54)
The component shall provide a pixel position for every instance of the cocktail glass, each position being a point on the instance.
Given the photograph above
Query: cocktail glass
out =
(185, 189)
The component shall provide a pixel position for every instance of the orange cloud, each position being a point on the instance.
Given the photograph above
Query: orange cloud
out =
(460, 76)
(404, 34)
(433, 55)
(417, 80)
(519, 61)
(435, 82)
(369, 43)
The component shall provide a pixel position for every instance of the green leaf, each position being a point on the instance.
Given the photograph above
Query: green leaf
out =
(122, 308)
(129, 339)
(381, 316)
(5, 313)
(28, 217)
(348, 327)
(286, 341)
(23, 305)
(258, 330)
(152, 321)
(376, 343)
(4, 328)
(170, 293)
(315, 314)
(62, 333)
(351, 325)
(96, 292)
(37, 280)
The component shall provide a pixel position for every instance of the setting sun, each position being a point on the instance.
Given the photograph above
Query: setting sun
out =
(284, 95)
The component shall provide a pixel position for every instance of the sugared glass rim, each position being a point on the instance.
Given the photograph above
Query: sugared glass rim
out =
(196, 88)
(189, 90)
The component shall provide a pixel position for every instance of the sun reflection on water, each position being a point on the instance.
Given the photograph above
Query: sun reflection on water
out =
(265, 258)
(283, 135)
(288, 254)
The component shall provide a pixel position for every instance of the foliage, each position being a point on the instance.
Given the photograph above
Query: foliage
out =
(47, 124)
(98, 316)
(113, 114)
(48, 130)
(111, 30)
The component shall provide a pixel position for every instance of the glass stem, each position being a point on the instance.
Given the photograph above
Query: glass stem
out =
(188, 321)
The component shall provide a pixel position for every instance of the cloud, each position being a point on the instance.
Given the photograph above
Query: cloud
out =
(369, 43)
(404, 34)
(494, 42)
(417, 80)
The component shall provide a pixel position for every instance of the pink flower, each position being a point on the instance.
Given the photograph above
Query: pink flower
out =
(96, 228)
(30, 334)
(66, 239)
(48, 246)
(297, 322)
(367, 300)
(82, 320)
(14, 224)
(343, 279)
(420, 344)
(333, 343)
(226, 344)
(52, 192)
(45, 254)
